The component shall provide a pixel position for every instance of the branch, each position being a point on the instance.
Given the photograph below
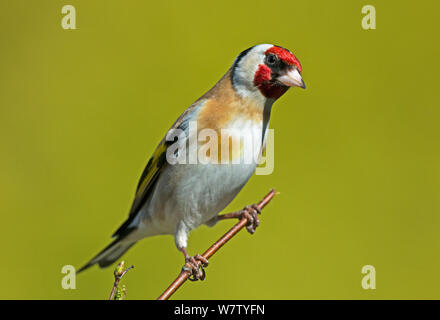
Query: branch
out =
(119, 273)
(184, 275)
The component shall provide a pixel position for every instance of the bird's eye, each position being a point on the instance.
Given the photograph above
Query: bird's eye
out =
(271, 60)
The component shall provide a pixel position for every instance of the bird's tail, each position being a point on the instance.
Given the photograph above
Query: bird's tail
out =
(110, 254)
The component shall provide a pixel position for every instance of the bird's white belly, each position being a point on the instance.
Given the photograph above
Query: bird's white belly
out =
(195, 193)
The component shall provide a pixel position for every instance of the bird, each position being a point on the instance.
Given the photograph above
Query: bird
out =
(178, 192)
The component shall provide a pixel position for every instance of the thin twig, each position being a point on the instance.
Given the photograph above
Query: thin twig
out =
(184, 275)
(119, 273)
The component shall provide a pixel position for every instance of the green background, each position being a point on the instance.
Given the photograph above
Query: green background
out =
(357, 157)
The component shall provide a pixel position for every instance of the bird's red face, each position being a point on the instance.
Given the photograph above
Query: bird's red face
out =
(270, 70)
(280, 70)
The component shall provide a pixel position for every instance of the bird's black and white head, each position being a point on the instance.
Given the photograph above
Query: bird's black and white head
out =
(266, 72)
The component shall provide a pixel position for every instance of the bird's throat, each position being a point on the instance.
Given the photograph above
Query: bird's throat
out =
(267, 87)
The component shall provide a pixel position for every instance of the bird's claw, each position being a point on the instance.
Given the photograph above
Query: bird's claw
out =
(251, 214)
(197, 271)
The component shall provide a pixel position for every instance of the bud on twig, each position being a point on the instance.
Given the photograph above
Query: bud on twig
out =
(119, 293)
(119, 269)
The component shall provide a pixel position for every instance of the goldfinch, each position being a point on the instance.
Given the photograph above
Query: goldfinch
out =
(178, 191)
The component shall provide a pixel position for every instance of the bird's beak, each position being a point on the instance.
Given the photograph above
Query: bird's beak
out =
(292, 79)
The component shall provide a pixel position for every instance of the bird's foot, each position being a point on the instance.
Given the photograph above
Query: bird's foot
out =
(251, 214)
(192, 265)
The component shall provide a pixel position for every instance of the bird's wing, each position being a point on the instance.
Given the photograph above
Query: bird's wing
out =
(152, 171)
(150, 174)
(145, 186)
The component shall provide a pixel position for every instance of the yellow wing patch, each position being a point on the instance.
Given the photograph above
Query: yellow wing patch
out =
(155, 164)
(151, 168)
(145, 186)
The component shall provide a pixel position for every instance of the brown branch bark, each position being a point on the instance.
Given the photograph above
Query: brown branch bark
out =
(184, 275)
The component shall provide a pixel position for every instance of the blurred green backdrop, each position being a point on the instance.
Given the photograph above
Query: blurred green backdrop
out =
(357, 157)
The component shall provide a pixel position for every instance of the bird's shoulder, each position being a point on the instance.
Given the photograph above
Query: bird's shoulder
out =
(222, 106)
